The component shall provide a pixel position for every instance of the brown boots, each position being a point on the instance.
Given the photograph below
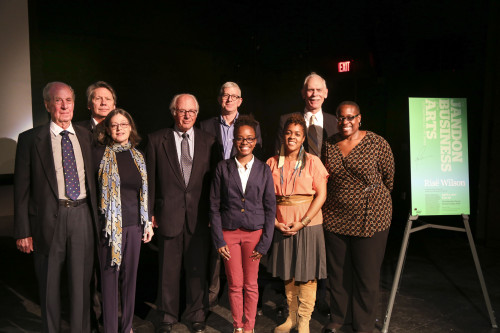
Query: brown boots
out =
(292, 293)
(301, 298)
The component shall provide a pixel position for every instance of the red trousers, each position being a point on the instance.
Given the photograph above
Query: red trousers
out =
(242, 273)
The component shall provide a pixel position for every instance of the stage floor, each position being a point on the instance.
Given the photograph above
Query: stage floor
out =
(439, 290)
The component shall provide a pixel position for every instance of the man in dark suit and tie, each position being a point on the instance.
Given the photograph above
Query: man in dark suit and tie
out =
(55, 208)
(178, 162)
(222, 127)
(101, 100)
(320, 125)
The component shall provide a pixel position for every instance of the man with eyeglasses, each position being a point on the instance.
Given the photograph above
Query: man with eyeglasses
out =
(320, 125)
(178, 163)
(222, 127)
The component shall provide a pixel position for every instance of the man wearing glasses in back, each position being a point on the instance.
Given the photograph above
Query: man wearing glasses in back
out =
(222, 127)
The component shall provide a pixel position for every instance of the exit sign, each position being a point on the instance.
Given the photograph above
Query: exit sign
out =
(344, 66)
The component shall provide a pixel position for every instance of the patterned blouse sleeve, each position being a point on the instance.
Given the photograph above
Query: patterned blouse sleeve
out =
(386, 164)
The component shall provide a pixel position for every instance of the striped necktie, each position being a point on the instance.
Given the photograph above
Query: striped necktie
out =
(312, 137)
(186, 160)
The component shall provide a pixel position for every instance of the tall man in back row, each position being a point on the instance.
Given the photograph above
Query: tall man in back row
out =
(320, 125)
(55, 208)
(178, 163)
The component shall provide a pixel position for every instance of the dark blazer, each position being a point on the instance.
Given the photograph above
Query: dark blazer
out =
(171, 202)
(36, 197)
(329, 128)
(212, 126)
(88, 124)
(231, 208)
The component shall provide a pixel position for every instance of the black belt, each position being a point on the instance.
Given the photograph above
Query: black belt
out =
(72, 203)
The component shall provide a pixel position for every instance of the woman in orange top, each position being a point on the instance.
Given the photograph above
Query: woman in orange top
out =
(298, 250)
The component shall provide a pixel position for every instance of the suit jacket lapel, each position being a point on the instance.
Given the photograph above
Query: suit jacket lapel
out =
(171, 153)
(254, 173)
(86, 152)
(44, 148)
(233, 171)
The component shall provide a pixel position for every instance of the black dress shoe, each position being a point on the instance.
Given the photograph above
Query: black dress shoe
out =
(165, 327)
(198, 326)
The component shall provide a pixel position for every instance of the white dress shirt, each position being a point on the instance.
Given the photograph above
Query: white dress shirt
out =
(318, 123)
(178, 141)
(244, 172)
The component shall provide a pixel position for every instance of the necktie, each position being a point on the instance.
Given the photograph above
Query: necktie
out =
(186, 160)
(71, 181)
(312, 137)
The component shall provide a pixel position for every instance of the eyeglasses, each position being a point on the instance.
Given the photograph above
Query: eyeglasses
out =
(341, 119)
(230, 97)
(240, 140)
(114, 127)
(190, 113)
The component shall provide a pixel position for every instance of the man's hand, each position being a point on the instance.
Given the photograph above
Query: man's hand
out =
(25, 244)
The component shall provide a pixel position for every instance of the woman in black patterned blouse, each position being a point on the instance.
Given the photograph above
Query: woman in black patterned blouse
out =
(357, 215)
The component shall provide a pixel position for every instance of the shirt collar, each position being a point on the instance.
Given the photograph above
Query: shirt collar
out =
(190, 132)
(223, 121)
(248, 166)
(318, 115)
(56, 129)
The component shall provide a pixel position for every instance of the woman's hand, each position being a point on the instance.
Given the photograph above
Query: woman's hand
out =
(148, 233)
(293, 228)
(155, 225)
(224, 252)
(256, 255)
(285, 229)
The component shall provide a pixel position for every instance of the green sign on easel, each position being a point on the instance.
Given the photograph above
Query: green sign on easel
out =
(439, 156)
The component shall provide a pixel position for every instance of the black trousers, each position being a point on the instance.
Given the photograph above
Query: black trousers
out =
(189, 252)
(73, 243)
(120, 283)
(354, 275)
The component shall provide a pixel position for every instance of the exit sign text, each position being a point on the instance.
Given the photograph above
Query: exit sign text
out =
(344, 66)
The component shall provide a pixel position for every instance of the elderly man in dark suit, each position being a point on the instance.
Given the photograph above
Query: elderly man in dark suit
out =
(320, 125)
(55, 207)
(101, 100)
(222, 127)
(178, 162)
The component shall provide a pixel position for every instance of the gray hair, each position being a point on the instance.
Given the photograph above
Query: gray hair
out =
(173, 103)
(229, 84)
(48, 86)
(310, 76)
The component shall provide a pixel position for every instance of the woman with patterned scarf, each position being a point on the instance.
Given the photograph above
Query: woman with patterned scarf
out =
(298, 250)
(123, 212)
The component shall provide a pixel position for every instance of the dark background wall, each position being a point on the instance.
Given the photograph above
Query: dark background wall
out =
(399, 49)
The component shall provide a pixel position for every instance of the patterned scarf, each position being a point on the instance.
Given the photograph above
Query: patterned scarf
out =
(110, 203)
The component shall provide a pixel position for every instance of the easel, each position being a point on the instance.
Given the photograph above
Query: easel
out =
(402, 256)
